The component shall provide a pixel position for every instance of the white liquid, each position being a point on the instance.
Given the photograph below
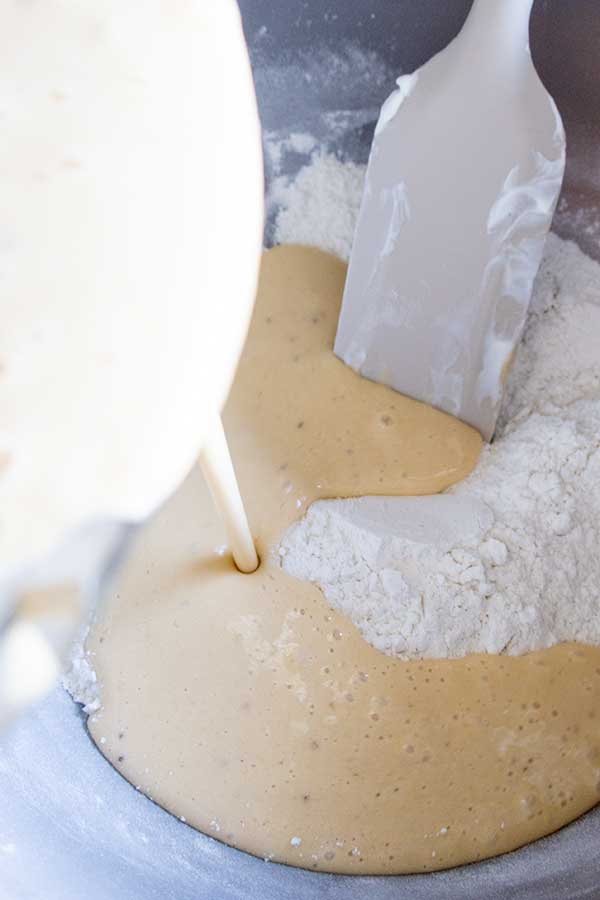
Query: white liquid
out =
(118, 92)
(217, 467)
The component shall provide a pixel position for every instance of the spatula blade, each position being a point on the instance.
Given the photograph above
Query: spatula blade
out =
(463, 179)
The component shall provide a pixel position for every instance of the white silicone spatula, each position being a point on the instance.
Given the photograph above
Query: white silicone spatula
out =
(463, 178)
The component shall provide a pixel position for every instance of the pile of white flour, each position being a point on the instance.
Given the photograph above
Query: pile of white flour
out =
(320, 205)
(507, 561)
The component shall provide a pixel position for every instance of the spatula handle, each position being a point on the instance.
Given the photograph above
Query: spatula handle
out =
(500, 24)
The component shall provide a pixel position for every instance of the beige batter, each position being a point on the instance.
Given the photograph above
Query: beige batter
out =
(244, 705)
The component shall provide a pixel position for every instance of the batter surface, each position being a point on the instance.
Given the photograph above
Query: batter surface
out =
(246, 706)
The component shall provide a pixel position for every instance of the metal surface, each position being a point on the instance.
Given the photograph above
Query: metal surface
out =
(70, 826)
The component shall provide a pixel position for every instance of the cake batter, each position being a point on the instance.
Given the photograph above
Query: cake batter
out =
(247, 707)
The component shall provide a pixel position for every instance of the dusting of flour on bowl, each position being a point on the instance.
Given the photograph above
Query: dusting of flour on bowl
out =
(516, 565)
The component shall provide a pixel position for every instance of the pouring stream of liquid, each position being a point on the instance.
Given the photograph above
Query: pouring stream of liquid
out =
(217, 467)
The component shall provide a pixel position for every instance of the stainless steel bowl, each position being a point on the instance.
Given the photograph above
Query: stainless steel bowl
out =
(70, 826)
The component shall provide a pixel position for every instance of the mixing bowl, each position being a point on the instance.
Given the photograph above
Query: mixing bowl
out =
(70, 826)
